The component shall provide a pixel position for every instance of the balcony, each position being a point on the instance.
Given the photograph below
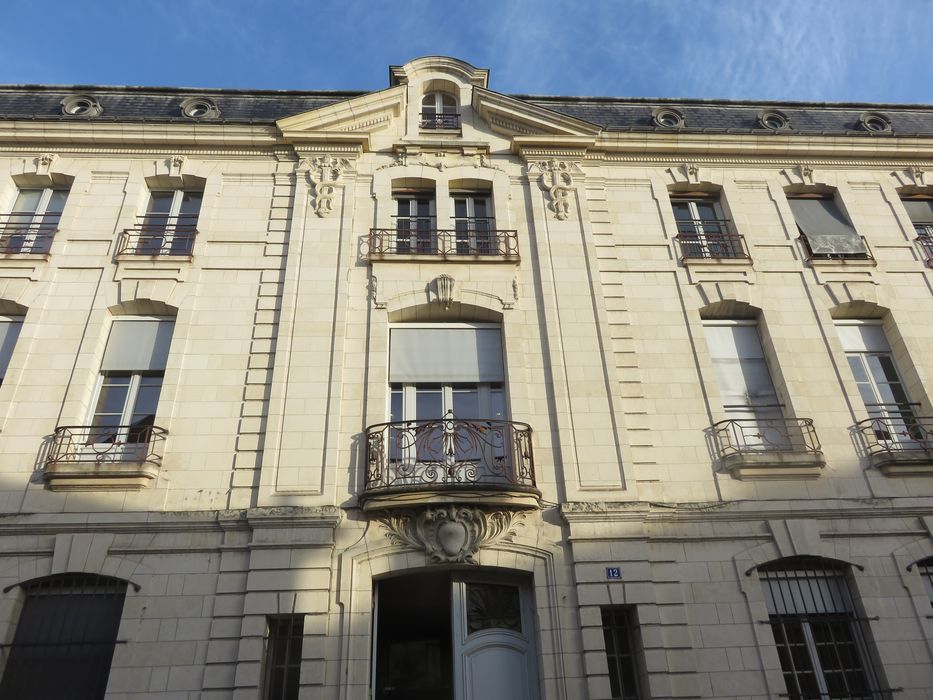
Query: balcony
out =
(857, 256)
(446, 460)
(769, 448)
(474, 239)
(432, 120)
(709, 239)
(924, 231)
(119, 458)
(157, 236)
(899, 443)
(25, 233)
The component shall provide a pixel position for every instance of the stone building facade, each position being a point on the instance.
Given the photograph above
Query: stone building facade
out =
(439, 392)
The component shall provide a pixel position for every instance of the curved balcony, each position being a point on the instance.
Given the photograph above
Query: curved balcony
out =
(769, 448)
(448, 459)
(899, 443)
(157, 236)
(120, 457)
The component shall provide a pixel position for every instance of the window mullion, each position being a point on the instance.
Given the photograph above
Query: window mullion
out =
(131, 393)
(814, 658)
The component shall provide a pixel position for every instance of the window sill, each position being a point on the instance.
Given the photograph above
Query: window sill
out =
(159, 260)
(434, 257)
(843, 262)
(904, 463)
(408, 497)
(774, 466)
(713, 262)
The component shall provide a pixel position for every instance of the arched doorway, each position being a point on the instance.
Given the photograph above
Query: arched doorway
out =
(454, 635)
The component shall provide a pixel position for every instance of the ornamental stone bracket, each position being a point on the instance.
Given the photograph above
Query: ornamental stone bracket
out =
(325, 174)
(800, 174)
(44, 163)
(913, 176)
(557, 179)
(451, 534)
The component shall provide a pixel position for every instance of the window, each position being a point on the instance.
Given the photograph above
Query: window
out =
(447, 400)
(702, 230)
(879, 383)
(620, 631)
(282, 658)
(826, 232)
(474, 227)
(920, 211)
(925, 569)
(10, 326)
(415, 227)
(34, 220)
(773, 119)
(668, 118)
(169, 226)
(64, 639)
(439, 111)
(820, 643)
(130, 381)
(749, 399)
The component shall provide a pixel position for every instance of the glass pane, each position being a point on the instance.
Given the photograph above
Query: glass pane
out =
(160, 202)
(706, 211)
(57, 202)
(466, 403)
(27, 201)
(682, 211)
(460, 208)
(497, 403)
(493, 606)
(428, 403)
(858, 368)
(147, 399)
(190, 205)
(479, 208)
(113, 393)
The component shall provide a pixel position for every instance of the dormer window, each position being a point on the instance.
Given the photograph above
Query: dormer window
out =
(439, 110)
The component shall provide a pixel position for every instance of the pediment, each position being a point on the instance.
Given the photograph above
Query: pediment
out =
(350, 121)
(514, 117)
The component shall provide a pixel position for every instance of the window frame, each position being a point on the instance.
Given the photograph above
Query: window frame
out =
(864, 254)
(702, 237)
(174, 235)
(422, 238)
(270, 650)
(474, 235)
(628, 635)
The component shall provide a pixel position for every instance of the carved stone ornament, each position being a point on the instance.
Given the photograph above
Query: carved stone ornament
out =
(805, 172)
(444, 285)
(450, 534)
(325, 173)
(691, 171)
(175, 165)
(44, 163)
(557, 178)
(917, 175)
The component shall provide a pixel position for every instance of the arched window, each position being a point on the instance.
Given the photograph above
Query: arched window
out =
(439, 110)
(821, 642)
(65, 638)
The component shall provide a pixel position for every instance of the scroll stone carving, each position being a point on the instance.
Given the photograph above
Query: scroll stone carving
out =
(175, 165)
(557, 178)
(325, 173)
(805, 172)
(44, 163)
(450, 534)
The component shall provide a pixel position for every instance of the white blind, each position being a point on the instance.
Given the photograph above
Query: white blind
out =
(10, 327)
(741, 369)
(445, 355)
(138, 345)
(919, 210)
(863, 338)
(827, 230)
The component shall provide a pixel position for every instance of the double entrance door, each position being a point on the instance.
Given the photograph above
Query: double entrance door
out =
(454, 636)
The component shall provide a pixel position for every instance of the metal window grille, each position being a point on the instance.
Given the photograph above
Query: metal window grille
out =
(65, 638)
(619, 630)
(820, 641)
(926, 572)
(283, 657)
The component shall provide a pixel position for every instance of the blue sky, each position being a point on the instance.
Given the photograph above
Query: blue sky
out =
(822, 50)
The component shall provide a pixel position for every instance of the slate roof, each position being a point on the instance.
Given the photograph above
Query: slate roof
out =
(614, 114)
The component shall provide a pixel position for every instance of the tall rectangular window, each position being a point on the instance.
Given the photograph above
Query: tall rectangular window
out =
(702, 229)
(620, 632)
(748, 395)
(826, 230)
(920, 211)
(878, 380)
(64, 639)
(282, 659)
(10, 326)
(474, 226)
(415, 226)
(820, 643)
(131, 380)
(170, 223)
(33, 222)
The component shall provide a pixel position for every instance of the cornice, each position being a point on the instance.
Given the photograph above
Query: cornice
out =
(122, 133)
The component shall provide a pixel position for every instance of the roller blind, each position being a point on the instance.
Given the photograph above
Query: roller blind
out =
(10, 327)
(445, 355)
(741, 369)
(863, 338)
(919, 210)
(138, 345)
(826, 229)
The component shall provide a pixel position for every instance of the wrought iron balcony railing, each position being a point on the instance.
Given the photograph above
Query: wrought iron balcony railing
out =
(157, 235)
(709, 239)
(897, 434)
(474, 237)
(110, 444)
(864, 254)
(434, 120)
(449, 454)
(27, 233)
(925, 239)
(754, 436)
